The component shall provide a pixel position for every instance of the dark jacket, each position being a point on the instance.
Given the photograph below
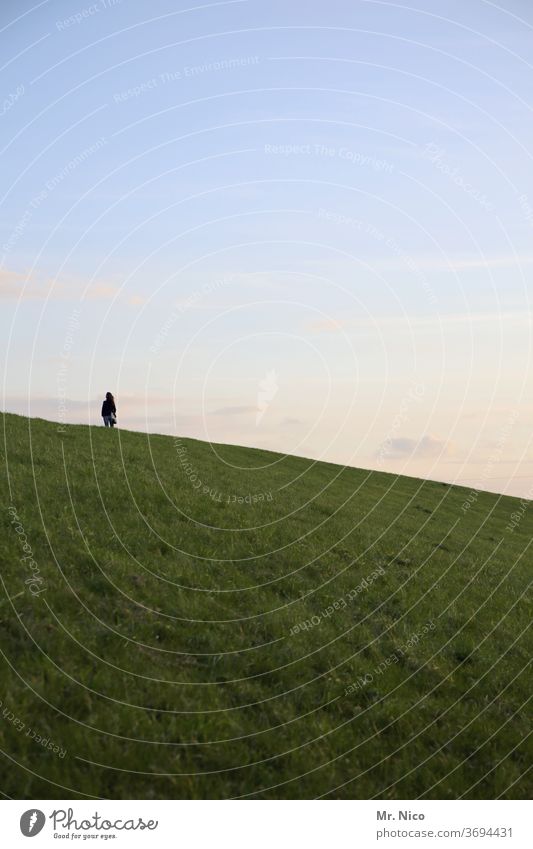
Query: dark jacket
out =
(108, 407)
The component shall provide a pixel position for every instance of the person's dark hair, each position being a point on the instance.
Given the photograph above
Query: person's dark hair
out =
(109, 397)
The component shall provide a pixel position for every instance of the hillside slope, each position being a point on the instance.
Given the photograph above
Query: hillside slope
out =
(180, 620)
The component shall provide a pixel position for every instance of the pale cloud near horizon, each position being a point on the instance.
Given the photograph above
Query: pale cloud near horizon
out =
(421, 322)
(237, 410)
(426, 446)
(15, 286)
(20, 287)
(436, 263)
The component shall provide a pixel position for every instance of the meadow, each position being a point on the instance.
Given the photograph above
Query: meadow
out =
(187, 620)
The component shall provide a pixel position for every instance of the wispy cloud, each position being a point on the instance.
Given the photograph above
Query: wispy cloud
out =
(14, 286)
(422, 322)
(289, 421)
(18, 286)
(453, 263)
(234, 411)
(328, 325)
(424, 447)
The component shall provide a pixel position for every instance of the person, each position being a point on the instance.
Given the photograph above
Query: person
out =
(109, 411)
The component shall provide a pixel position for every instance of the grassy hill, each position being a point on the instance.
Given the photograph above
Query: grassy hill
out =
(181, 620)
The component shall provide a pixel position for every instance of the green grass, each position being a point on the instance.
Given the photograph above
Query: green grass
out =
(162, 653)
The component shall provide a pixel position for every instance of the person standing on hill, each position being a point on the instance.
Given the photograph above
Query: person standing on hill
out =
(109, 411)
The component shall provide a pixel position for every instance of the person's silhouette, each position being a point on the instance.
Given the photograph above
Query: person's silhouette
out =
(109, 411)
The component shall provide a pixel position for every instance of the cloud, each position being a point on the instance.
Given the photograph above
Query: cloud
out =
(14, 285)
(288, 421)
(328, 325)
(18, 286)
(464, 262)
(234, 411)
(452, 262)
(101, 292)
(136, 300)
(429, 323)
(399, 448)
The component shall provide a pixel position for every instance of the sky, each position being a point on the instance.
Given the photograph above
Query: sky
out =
(300, 227)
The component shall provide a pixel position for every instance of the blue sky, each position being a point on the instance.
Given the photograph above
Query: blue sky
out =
(301, 228)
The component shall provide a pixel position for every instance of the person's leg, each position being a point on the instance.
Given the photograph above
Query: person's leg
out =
(106, 421)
